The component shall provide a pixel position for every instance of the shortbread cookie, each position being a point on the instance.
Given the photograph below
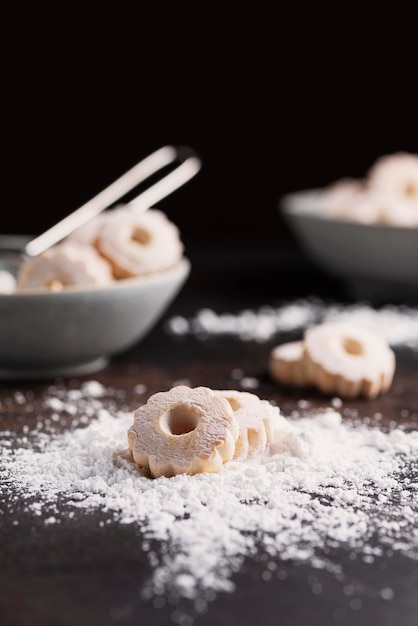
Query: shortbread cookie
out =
(397, 210)
(388, 194)
(372, 206)
(336, 199)
(348, 361)
(368, 207)
(64, 265)
(287, 364)
(255, 419)
(137, 243)
(396, 173)
(183, 431)
(88, 232)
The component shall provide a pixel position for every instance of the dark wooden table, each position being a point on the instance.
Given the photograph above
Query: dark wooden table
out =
(51, 575)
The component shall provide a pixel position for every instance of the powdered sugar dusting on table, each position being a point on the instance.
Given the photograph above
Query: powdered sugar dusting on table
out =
(398, 324)
(325, 484)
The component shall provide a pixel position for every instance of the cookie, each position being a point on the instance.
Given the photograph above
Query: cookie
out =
(343, 359)
(255, 419)
(183, 431)
(137, 243)
(287, 364)
(65, 265)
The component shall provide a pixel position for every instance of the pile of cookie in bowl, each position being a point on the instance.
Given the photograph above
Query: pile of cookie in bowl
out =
(91, 296)
(364, 230)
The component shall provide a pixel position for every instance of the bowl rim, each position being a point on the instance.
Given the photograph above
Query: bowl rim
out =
(181, 268)
(288, 208)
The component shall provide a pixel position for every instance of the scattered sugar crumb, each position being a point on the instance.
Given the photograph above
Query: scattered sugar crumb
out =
(19, 397)
(183, 381)
(179, 325)
(249, 382)
(326, 484)
(93, 389)
(387, 593)
(55, 404)
(399, 324)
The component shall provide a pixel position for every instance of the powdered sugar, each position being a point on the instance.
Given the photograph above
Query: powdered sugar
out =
(399, 325)
(324, 484)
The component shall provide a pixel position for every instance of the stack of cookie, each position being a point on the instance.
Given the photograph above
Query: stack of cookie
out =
(123, 242)
(388, 194)
(191, 430)
(337, 358)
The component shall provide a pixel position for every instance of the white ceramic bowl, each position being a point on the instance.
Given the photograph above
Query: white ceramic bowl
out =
(75, 331)
(375, 260)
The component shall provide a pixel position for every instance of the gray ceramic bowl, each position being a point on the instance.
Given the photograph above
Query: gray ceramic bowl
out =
(375, 260)
(76, 331)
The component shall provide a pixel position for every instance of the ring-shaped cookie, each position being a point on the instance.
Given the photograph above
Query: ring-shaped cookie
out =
(255, 419)
(183, 431)
(64, 265)
(87, 233)
(336, 198)
(343, 359)
(287, 364)
(137, 243)
(397, 173)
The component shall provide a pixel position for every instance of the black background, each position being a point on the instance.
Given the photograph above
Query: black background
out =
(272, 103)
